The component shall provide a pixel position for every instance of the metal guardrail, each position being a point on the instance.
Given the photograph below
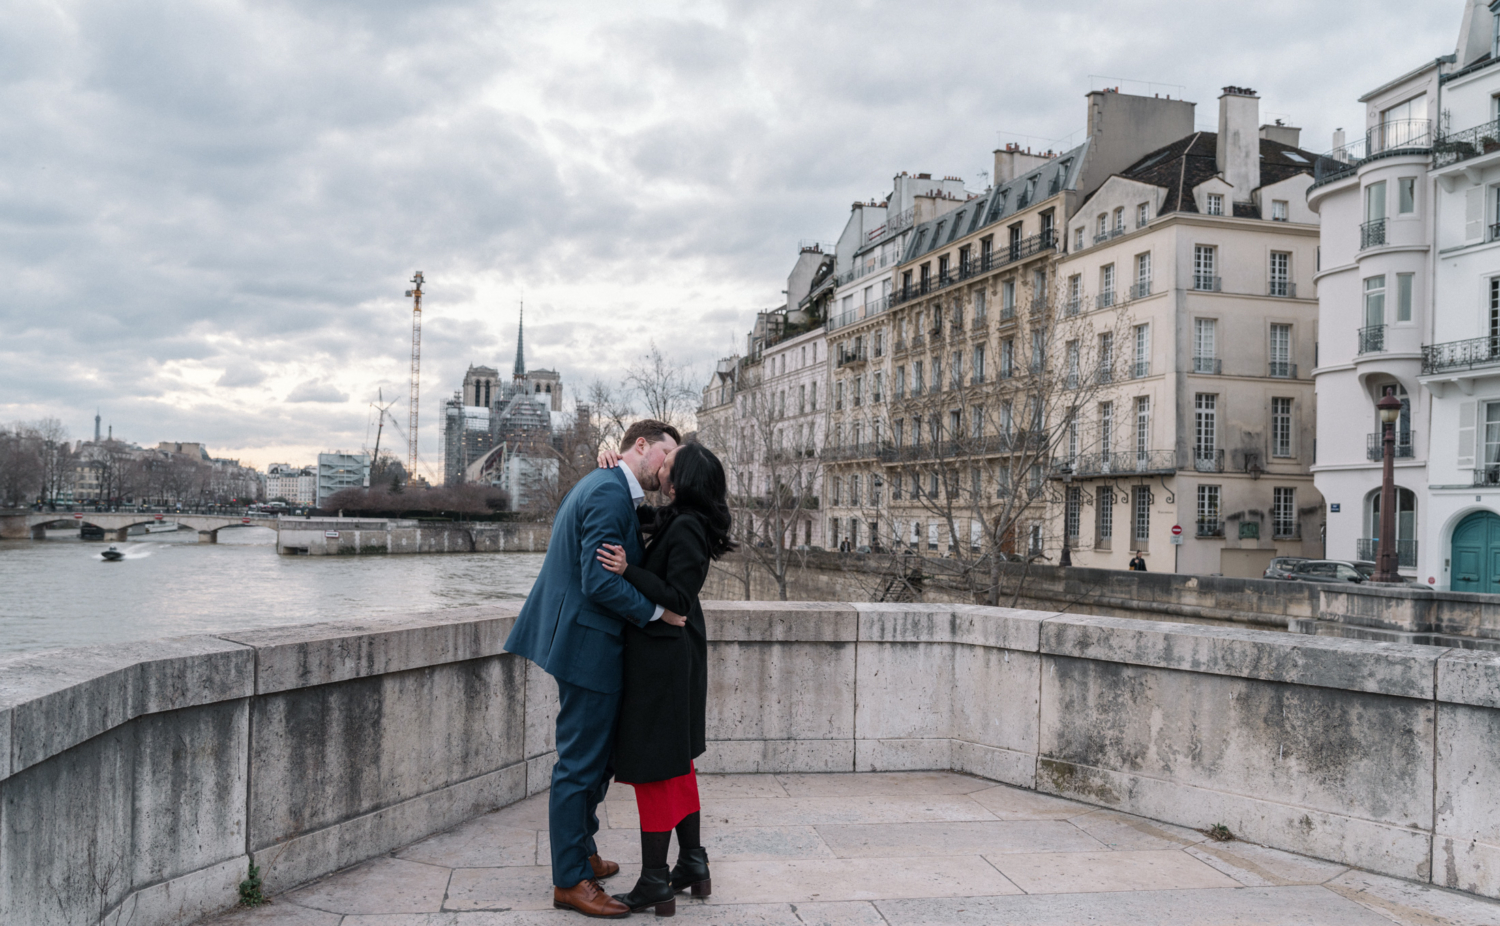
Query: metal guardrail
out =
(1467, 144)
(1455, 355)
(1116, 463)
(1140, 289)
(1281, 369)
(1208, 365)
(1401, 136)
(1140, 368)
(1367, 549)
(1021, 250)
(1282, 288)
(1372, 234)
(1210, 527)
(1105, 299)
(1488, 476)
(1372, 339)
(1205, 283)
(1405, 446)
(1208, 461)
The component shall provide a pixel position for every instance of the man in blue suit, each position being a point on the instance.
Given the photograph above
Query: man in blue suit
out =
(572, 626)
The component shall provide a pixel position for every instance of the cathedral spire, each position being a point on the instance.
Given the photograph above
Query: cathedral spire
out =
(520, 370)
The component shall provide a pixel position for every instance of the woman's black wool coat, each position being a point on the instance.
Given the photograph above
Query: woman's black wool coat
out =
(665, 695)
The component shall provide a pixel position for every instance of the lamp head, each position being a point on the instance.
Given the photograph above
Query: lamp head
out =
(1389, 407)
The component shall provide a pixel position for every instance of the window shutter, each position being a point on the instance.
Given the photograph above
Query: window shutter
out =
(1474, 214)
(1466, 414)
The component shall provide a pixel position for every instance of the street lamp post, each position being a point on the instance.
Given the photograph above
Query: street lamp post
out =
(1387, 558)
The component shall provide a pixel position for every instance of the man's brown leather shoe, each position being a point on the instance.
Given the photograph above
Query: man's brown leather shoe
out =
(603, 868)
(588, 898)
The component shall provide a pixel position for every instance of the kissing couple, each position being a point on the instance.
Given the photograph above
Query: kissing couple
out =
(617, 621)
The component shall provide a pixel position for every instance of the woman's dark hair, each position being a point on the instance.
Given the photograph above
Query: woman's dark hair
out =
(700, 486)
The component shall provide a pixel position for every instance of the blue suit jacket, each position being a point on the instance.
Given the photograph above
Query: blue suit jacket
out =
(573, 620)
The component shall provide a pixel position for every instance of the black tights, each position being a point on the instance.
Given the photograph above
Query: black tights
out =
(654, 845)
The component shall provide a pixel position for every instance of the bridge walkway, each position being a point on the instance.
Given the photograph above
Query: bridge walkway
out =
(879, 849)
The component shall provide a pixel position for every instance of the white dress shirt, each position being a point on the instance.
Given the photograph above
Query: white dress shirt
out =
(638, 495)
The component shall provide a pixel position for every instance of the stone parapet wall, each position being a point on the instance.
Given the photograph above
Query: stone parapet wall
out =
(345, 536)
(143, 779)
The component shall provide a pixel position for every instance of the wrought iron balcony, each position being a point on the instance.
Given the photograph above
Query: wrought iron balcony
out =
(1105, 299)
(1140, 289)
(1405, 445)
(900, 347)
(1469, 143)
(1489, 475)
(1007, 313)
(1206, 283)
(1208, 365)
(918, 342)
(1071, 307)
(1372, 234)
(1372, 339)
(1140, 368)
(847, 357)
(1460, 355)
(1119, 462)
(1208, 461)
(1210, 527)
(1281, 369)
(1038, 304)
(1282, 288)
(1367, 549)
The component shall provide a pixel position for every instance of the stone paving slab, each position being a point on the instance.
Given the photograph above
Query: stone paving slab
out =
(879, 849)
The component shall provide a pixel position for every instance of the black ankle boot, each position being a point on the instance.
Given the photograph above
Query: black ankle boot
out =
(653, 889)
(692, 872)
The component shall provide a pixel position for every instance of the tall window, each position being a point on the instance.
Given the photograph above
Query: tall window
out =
(1007, 418)
(1281, 427)
(1142, 431)
(1491, 440)
(1038, 351)
(1038, 289)
(1142, 275)
(1142, 215)
(1406, 195)
(916, 377)
(1102, 231)
(901, 382)
(1284, 511)
(937, 374)
(1495, 309)
(1205, 431)
(1078, 238)
(979, 306)
(1203, 268)
(876, 391)
(1281, 273)
(1215, 203)
(1208, 511)
(1141, 503)
(1072, 352)
(1106, 357)
(1142, 351)
(1205, 350)
(1375, 202)
(1008, 299)
(1104, 515)
(1007, 358)
(1375, 305)
(1281, 351)
(1072, 512)
(1075, 293)
(957, 373)
(978, 364)
(898, 431)
(1072, 438)
(1106, 432)
(1403, 296)
(1120, 219)
(1106, 286)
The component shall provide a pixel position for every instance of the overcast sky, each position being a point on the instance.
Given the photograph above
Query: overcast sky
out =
(209, 211)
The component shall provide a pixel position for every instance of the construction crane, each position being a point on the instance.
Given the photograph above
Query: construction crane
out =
(382, 407)
(415, 295)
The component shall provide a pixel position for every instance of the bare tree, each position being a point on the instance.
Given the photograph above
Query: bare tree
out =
(610, 413)
(968, 455)
(21, 466)
(666, 389)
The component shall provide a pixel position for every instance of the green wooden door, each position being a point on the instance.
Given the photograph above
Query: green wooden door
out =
(1476, 553)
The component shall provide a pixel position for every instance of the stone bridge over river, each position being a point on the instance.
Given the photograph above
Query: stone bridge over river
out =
(117, 525)
(867, 765)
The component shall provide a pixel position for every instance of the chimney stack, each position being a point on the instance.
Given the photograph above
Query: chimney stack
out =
(1239, 141)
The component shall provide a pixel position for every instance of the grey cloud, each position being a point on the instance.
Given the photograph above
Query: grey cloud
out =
(242, 375)
(317, 391)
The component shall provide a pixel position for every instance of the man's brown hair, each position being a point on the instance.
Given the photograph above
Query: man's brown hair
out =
(651, 429)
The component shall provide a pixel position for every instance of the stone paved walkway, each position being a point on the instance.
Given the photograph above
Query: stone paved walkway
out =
(893, 849)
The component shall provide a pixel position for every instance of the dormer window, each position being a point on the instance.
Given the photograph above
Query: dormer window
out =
(1142, 215)
(1278, 210)
(1214, 204)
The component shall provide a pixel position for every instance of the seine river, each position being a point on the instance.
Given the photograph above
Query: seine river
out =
(60, 592)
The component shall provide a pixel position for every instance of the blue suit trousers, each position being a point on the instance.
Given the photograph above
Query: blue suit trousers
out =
(586, 724)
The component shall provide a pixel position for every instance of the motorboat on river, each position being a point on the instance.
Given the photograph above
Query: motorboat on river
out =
(112, 555)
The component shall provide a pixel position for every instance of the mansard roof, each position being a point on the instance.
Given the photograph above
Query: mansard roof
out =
(1193, 159)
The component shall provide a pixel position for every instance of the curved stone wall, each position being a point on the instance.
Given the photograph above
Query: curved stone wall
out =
(143, 779)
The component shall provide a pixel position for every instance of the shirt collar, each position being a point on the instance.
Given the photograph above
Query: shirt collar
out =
(637, 494)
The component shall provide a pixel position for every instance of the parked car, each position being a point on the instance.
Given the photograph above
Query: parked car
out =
(1281, 567)
(1329, 570)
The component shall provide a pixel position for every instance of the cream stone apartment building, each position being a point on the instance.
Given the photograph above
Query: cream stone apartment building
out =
(1197, 262)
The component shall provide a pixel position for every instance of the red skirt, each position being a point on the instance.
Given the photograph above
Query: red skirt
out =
(664, 804)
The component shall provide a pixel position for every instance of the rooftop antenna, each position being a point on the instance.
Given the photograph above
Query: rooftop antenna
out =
(415, 295)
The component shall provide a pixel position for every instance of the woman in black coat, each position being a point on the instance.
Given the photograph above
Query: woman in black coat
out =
(665, 692)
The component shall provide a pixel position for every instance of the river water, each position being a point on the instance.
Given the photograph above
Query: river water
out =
(60, 592)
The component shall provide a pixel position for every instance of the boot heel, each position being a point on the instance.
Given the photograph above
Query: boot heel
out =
(667, 908)
(703, 888)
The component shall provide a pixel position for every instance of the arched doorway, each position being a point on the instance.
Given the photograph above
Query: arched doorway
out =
(1476, 553)
(1406, 527)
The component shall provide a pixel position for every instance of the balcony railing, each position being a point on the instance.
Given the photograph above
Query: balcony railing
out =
(1489, 475)
(1469, 143)
(1367, 549)
(1281, 369)
(1405, 444)
(1120, 462)
(846, 357)
(1400, 136)
(1020, 250)
(1206, 283)
(900, 347)
(1282, 288)
(1105, 299)
(1460, 355)
(1007, 313)
(1210, 527)
(1207, 365)
(1140, 289)
(1072, 306)
(1140, 368)
(1372, 234)
(918, 342)
(1208, 461)
(1372, 339)
(1038, 304)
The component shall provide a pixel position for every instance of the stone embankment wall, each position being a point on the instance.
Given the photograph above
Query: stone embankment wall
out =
(344, 536)
(143, 779)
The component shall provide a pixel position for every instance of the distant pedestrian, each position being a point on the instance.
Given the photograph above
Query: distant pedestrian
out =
(1137, 564)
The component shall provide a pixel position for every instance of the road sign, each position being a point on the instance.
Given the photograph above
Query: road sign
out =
(1176, 540)
(1176, 530)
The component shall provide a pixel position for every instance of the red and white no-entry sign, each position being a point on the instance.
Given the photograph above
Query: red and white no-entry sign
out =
(1176, 530)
